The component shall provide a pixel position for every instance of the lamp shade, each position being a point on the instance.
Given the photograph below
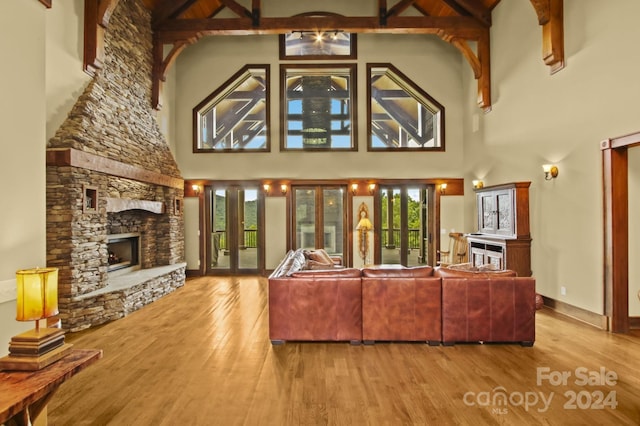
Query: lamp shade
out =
(364, 224)
(37, 293)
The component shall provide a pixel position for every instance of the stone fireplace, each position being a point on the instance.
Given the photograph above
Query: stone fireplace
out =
(111, 176)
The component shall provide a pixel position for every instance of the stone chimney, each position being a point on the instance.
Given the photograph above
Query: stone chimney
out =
(110, 149)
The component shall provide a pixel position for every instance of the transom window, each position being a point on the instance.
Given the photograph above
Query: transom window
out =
(235, 117)
(402, 116)
(317, 107)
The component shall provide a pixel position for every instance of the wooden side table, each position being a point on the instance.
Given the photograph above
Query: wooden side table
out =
(23, 394)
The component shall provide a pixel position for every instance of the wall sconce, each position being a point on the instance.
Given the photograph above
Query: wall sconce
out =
(550, 171)
(283, 189)
(266, 188)
(196, 189)
(477, 184)
(443, 188)
(36, 299)
(354, 188)
(372, 188)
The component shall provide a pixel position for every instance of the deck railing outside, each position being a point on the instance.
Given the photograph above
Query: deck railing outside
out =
(414, 238)
(251, 239)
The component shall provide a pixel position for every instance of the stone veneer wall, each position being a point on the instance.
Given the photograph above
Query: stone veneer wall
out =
(113, 119)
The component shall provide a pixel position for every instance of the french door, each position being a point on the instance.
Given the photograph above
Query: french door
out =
(234, 229)
(405, 220)
(319, 218)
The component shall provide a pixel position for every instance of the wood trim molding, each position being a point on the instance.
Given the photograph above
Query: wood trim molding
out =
(551, 18)
(161, 65)
(596, 320)
(480, 62)
(76, 158)
(615, 183)
(47, 3)
(96, 20)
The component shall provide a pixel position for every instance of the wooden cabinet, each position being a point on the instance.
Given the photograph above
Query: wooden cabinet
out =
(503, 238)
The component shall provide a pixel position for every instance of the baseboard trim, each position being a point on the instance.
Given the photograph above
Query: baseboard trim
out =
(634, 323)
(591, 318)
(190, 273)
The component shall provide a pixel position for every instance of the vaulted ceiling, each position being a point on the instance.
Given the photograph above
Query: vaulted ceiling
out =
(463, 23)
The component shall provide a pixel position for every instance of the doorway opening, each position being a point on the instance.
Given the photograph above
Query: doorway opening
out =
(405, 217)
(319, 218)
(235, 229)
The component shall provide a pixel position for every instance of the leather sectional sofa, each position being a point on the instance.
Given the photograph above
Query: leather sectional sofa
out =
(394, 303)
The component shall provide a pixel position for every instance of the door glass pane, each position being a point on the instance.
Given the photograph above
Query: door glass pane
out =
(248, 228)
(415, 226)
(333, 220)
(390, 235)
(305, 204)
(219, 254)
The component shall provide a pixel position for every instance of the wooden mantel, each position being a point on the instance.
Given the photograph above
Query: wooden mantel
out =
(76, 158)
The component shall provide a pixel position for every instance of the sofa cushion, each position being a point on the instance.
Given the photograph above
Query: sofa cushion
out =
(314, 265)
(446, 272)
(414, 272)
(318, 255)
(337, 272)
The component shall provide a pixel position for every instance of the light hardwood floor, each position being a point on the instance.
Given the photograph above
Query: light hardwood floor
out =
(202, 356)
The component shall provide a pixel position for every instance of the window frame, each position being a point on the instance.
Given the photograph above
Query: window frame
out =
(353, 48)
(353, 104)
(221, 91)
(414, 88)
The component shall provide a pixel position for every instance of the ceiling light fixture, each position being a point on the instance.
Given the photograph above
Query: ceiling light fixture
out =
(317, 35)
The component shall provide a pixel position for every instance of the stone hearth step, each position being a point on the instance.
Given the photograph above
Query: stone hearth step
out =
(123, 295)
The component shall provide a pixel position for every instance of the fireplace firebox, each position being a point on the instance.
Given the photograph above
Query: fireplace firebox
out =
(124, 252)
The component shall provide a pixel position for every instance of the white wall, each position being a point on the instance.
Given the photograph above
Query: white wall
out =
(540, 118)
(203, 67)
(191, 213)
(275, 231)
(22, 171)
(452, 218)
(65, 79)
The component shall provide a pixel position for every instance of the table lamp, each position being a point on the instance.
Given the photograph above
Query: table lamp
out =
(36, 299)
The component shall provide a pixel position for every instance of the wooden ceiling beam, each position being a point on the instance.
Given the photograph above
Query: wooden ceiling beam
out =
(181, 33)
(255, 12)
(238, 9)
(551, 17)
(400, 7)
(463, 27)
(472, 8)
(169, 9)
